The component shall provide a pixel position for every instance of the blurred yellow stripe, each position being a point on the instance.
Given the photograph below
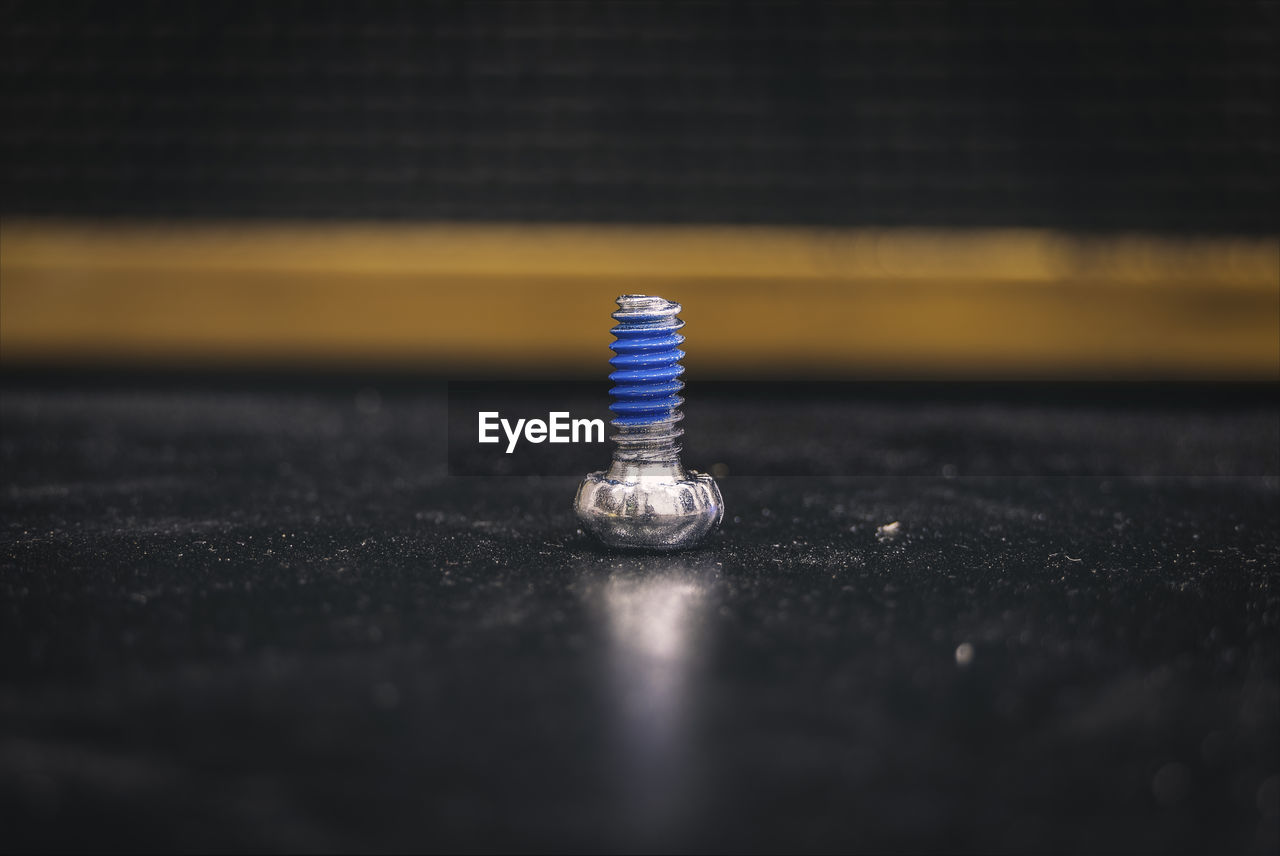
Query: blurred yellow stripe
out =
(520, 298)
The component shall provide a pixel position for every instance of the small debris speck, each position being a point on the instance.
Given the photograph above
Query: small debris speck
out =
(385, 695)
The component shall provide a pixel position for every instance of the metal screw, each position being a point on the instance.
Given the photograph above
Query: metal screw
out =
(647, 499)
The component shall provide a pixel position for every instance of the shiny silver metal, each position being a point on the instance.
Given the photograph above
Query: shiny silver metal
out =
(647, 500)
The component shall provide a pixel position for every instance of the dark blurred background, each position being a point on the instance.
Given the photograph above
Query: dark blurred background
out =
(1095, 116)
(1129, 138)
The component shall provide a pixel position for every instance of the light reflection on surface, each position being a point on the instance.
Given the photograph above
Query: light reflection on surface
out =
(655, 614)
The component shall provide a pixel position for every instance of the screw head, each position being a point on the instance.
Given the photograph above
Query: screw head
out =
(665, 511)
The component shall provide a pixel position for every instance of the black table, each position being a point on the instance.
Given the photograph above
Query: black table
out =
(246, 613)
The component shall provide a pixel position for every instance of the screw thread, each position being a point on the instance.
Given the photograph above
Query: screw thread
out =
(647, 373)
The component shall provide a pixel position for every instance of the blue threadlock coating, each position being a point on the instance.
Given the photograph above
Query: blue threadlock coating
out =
(647, 499)
(647, 362)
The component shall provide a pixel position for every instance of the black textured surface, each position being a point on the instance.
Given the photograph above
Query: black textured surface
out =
(264, 617)
(1078, 115)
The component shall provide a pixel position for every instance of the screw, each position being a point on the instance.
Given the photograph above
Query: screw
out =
(647, 499)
